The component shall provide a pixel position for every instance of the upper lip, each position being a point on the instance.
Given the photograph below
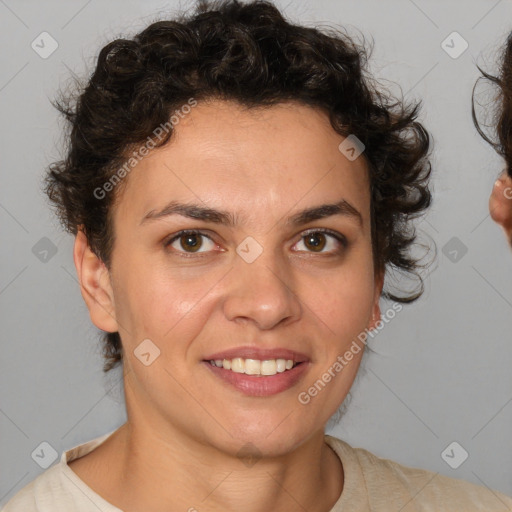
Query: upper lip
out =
(259, 353)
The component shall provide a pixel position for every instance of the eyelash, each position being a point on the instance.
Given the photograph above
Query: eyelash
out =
(338, 236)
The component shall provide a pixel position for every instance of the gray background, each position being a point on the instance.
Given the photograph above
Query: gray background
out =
(440, 371)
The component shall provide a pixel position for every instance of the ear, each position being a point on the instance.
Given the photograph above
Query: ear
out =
(500, 203)
(95, 285)
(376, 313)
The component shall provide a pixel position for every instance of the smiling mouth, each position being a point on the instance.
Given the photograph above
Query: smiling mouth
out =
(255, 367)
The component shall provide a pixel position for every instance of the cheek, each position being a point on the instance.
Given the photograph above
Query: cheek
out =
(345, 303)
(161, 304)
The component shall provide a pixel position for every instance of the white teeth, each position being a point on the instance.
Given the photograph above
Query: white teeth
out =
(268, 367)
(281, 365)
(238, 365)
(254, 366)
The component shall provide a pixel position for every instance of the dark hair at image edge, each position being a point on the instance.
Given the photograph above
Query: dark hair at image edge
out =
(247, 53)
(502, 111)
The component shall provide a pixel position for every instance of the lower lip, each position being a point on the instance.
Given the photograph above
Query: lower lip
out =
(252, 385)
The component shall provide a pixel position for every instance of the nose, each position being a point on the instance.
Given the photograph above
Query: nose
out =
(262, 292)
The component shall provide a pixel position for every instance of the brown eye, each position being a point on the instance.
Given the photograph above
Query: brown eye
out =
(315, 241)
(191, 242)
(322, 241)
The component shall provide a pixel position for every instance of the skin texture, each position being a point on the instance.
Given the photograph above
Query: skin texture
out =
(500, 204)
(185, 426)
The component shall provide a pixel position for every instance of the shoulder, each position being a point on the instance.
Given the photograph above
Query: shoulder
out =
(59, 489)
(412, 488)
(38, 494)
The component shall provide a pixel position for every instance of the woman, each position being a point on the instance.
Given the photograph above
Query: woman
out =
(237, 188)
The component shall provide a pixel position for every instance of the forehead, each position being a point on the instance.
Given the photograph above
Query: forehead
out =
(222, 152)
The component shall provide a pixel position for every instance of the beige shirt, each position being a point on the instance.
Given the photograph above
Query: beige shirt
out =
(371, 484)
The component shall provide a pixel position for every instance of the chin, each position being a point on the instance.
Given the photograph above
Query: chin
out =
(272, 437)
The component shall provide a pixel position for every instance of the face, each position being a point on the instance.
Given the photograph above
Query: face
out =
(265, 271)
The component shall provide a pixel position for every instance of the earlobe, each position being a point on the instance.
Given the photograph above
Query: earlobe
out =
(500, 203)
(376, 316)
(376, 313)
(95, 285)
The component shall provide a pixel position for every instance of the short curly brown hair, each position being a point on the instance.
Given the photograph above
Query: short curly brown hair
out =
(502, 112)
(250, 54)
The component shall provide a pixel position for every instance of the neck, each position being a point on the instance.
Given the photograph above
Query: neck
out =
(177, 473)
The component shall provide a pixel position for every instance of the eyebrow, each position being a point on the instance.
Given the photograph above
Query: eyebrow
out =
(198, 212)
